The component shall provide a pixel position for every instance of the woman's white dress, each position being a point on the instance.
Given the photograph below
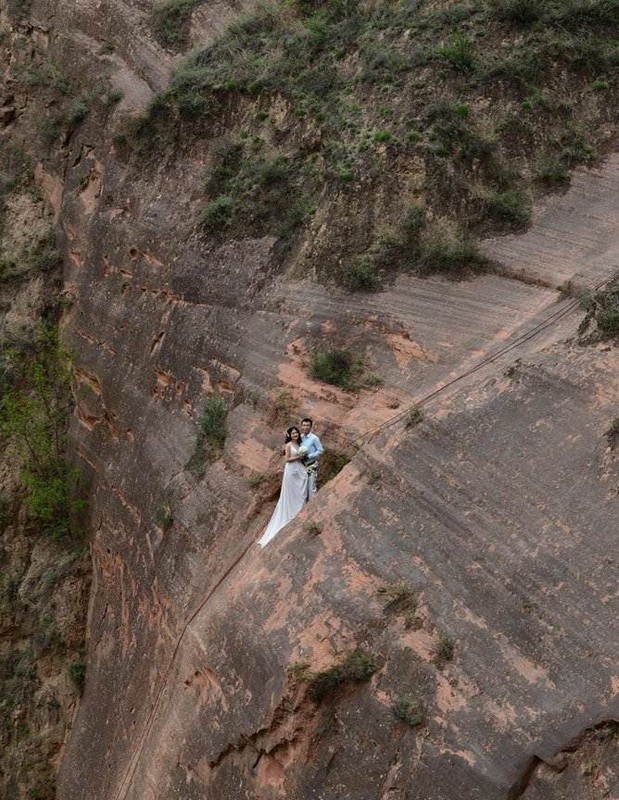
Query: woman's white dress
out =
(291, 498)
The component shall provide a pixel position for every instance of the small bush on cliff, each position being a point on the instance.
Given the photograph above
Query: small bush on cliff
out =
(445, 647)
(77, 672)
(602, 311)
(355, 667)
(171, 22)
(510, 209)
(337, 367)
(408, 709)
(33, 417)
(450, 255)
(211, 434)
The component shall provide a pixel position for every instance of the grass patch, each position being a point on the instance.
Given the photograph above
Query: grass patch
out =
(509, 209)
(211, 435)
(171, 22)
(400, 600)
(450, 254)
(336, 367)
(356, 667)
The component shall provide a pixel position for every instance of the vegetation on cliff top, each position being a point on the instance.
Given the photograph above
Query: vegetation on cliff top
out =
(456, 113)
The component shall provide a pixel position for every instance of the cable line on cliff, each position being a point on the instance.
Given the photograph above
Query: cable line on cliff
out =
(555, 317)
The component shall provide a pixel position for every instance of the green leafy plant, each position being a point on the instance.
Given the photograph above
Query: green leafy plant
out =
(415, 417)
(362, 276)
(602, 311)
(510, 208)
(218, 213)
(459, 53)
(77, 672)
(355, 667)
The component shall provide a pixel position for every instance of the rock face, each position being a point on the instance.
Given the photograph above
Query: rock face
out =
(495, 517)
(467, 560)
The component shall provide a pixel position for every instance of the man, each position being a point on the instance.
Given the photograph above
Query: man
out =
(314, 449)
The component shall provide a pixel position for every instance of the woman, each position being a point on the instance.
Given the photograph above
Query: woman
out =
(294, 487)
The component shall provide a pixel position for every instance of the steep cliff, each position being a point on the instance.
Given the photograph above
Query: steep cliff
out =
(441, 614)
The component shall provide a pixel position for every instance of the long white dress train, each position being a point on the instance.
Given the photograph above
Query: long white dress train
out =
(291, 498)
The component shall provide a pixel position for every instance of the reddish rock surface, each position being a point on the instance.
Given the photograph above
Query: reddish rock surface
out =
(498, 514)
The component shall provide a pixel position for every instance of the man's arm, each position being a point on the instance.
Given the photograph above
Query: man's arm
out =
(317, 449)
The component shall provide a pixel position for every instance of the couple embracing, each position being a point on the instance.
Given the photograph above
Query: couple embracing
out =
(301, 454)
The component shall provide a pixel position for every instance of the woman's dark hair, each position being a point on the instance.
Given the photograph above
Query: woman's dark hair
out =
(289, 431)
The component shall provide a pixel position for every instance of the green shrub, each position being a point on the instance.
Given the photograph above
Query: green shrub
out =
(355, 667)
(602, 308)
(211, 434)
(362, 276)
(34, 412)
(614, 427)
(450, 255)
(337, 367)
(77, 672)
(382, 136)
(445, 647)
(217, 214)
(551, 171)
(171, 21)
(459, 53)
(510, 208)
(78, 111)
(408, 709)
(600, 85)
(415, 417)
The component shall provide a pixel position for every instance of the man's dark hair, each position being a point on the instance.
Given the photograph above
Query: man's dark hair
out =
(307, 419)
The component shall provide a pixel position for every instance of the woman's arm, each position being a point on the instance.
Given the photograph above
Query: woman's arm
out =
(289, 456)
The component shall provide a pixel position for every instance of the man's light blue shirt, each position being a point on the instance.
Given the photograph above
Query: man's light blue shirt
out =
(312, 444)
